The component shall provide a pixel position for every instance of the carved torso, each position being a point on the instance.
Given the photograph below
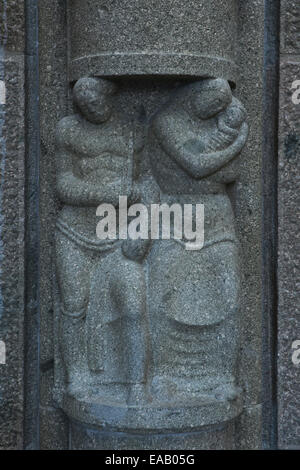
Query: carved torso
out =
(101, 154)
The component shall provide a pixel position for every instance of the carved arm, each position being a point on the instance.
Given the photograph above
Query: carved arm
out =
(76, 192)
(199, 165)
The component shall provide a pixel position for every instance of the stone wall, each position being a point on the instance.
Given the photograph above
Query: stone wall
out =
(246, 195)
(12, 153)
(288, 235)
(30, 417)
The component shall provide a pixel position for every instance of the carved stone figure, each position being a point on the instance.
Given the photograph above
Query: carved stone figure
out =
(148, 331)
(194, 295)
(102, 330)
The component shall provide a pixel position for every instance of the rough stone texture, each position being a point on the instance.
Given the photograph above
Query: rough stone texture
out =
(12, 24)
(247, 195)
(218, 438)
(290, 27)
(289, 242)
(248, 432)
(269, 239)
(12, 252)
(103, 349)
(54, 429)
(151, 38)
(53, 99)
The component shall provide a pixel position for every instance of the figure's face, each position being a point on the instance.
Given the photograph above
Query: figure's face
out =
(93, 97)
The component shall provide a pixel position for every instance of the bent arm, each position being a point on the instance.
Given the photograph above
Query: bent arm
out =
(200, 165)
(74, 191)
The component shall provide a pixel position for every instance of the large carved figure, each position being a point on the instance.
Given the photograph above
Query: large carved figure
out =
(194, 295)
(102, 330)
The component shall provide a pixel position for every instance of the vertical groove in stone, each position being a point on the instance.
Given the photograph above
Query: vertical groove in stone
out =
(53, 90)
(288, 276)
(247, 197)
(270, 142)
(11, 223)
(31, 369)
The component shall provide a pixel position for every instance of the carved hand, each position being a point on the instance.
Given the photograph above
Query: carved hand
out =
(203, 164)
(76, 192)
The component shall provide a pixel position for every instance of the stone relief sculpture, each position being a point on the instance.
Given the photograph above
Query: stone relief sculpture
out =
(102, 331)
(149, 350)
(148, 333)
(194, 295)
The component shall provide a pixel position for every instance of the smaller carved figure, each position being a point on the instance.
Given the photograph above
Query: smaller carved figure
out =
(227, 128)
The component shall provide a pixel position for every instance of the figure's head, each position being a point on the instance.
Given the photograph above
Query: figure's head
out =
(93, 98)
(209, 97)
(234, 115)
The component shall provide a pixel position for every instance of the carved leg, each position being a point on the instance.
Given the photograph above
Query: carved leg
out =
(73, 268)
(117, 326)
(130, 293)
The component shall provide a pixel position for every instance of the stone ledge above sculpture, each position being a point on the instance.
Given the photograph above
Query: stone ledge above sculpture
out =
(153, 38)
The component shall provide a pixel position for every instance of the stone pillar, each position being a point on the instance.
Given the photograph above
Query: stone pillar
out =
(137, 345)
(12, 154)
(288, 235)
(53, 91)
(149, 350)
(153, 38)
